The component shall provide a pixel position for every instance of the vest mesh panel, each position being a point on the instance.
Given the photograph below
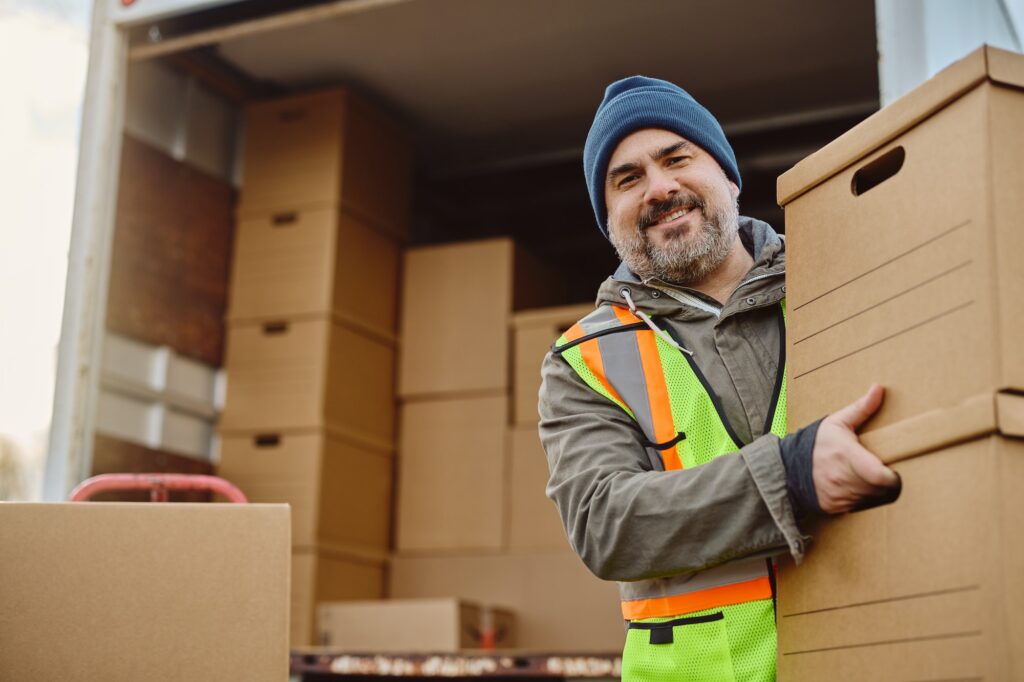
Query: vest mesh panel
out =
(692, 410)
(746, 633)
(779, 425)
(779, 419)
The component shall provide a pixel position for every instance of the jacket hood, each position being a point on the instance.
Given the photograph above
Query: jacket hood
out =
(764, 243)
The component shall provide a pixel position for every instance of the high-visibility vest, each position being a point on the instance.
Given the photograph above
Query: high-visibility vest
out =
(620, 357)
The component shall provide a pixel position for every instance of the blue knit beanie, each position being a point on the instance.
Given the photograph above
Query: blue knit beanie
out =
(638, 102)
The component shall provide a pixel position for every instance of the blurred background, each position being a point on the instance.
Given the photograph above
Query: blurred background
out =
(44, 48)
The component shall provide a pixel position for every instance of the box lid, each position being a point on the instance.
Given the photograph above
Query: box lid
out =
(985, 63)
(982, 415)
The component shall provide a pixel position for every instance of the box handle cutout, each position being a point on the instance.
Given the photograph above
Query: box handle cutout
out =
(283, 219)
(267, 440)
(878, 171)
(291, 115)
(275, 328)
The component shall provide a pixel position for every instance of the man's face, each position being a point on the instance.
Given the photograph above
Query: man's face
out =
(672, 211)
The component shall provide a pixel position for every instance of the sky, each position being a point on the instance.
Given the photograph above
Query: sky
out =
(43, 54)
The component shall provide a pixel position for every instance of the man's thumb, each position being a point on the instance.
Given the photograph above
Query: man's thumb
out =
(859, 411)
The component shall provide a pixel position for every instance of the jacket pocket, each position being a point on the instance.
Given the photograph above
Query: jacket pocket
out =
(690, 649)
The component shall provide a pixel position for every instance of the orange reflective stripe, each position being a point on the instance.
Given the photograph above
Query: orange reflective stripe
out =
(657, 391)
(574, 332)
(591, 354)
(625, 316)
(677, 605)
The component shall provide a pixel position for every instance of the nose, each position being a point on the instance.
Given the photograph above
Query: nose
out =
(661, 185)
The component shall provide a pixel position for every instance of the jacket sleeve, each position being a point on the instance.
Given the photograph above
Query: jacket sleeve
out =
(628, 521)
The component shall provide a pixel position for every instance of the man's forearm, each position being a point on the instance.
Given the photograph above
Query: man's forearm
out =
(629, 522)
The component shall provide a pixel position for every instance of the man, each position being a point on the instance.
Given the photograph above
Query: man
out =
(663, 411)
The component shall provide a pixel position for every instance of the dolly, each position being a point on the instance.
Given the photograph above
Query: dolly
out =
(158, 485)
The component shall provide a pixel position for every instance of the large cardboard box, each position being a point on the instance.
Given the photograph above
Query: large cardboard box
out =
(534, 332)
(339, 491)
(309, 374)
(313, 261)
(533, 520)
(456, 306)
(928, 588)
(559, 604)
(451, 483)
(441, 625)
(904, 242)
(327, 148)
(326, 574)
(123, 591)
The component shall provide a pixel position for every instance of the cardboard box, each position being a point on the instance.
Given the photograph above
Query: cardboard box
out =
(534, 332)
(309, 374)
(904, 243)
(117, 591)
(413, 626)
(327, 148)
(456, 304)
(927, 588)
(325, 574)
(451, 484)
(339, 492)
(533, 520)
(559, 604)
(314, 261)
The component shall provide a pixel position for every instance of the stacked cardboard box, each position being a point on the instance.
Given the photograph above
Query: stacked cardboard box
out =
(472, 518)
(905, 237)
(309, 414)
(532, 521)
(413, 626)
(123, 591)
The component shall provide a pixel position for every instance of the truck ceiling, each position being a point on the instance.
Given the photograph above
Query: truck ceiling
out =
(490, 82)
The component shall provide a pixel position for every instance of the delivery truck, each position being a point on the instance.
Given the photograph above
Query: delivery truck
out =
(295, 221)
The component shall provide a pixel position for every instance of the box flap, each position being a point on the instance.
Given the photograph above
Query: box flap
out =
(1010, 413)
(932, 430)
(978, 416)
(907, 111)
(1005, 67)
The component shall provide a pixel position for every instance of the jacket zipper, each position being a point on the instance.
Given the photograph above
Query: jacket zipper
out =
(695, 302)
(690, 300)
(758, 278)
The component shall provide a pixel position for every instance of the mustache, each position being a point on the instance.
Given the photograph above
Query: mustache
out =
(651, 215)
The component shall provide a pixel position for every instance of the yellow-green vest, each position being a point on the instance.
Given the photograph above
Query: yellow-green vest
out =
(718, 624)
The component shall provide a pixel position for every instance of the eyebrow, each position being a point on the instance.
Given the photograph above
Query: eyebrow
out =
(621, 169)
(680, 146)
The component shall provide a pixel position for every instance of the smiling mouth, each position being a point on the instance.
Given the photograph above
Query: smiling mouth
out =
(674, 215)
(669, 217)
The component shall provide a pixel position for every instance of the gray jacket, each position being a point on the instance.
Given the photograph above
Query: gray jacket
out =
(630, 522)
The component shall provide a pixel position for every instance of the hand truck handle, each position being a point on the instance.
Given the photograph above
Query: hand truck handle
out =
(158, 486)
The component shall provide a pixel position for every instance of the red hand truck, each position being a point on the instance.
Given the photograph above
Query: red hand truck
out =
(158, 485)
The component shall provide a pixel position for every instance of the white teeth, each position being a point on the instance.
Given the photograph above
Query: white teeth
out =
(672, 216)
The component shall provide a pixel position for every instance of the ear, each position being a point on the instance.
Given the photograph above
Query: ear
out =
(734, 190)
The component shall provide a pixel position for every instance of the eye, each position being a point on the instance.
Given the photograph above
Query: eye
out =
(675, 160)
(625, 181)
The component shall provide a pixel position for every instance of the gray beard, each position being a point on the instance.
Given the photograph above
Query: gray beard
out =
(680, 262)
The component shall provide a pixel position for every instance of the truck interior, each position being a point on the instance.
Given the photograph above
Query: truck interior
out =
(498, 96)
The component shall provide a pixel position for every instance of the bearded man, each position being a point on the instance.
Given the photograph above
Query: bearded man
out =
(663, 411)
